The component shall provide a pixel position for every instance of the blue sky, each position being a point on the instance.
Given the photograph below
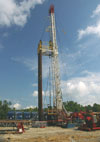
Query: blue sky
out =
(23, 24)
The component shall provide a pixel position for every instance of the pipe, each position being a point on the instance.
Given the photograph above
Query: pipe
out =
(40, 107)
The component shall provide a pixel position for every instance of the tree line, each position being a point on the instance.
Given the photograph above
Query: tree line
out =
(71, 106)
(75, 107)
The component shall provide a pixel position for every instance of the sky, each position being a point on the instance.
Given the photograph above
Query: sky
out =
(23, 23)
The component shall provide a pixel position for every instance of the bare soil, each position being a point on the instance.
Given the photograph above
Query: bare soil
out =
(49, 134)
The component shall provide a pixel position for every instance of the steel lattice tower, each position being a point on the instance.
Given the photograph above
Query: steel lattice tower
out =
(52, 52)
(55, 62)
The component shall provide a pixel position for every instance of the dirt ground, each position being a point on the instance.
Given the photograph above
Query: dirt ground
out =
(49, 134)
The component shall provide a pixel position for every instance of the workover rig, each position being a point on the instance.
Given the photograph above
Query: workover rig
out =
(50, 50)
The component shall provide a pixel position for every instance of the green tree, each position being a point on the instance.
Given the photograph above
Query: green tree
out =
(96, 107)
(88, 107)
(73, 106)
(4, 108)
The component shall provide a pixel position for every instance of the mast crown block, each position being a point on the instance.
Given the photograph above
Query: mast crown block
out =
(51, 10)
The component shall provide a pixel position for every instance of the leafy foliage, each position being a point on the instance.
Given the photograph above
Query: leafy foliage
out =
(96, 107)
(30, 110)
(75, 107)
(4, 108)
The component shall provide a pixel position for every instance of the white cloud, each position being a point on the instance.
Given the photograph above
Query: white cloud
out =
(17, 106)
(96, 11)
(89, 30)
(92, 29)
(35, 93)
(84, 90)
(14, 12)
(30, 107)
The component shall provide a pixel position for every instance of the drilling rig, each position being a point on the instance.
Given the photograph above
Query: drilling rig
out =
(50, 50)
